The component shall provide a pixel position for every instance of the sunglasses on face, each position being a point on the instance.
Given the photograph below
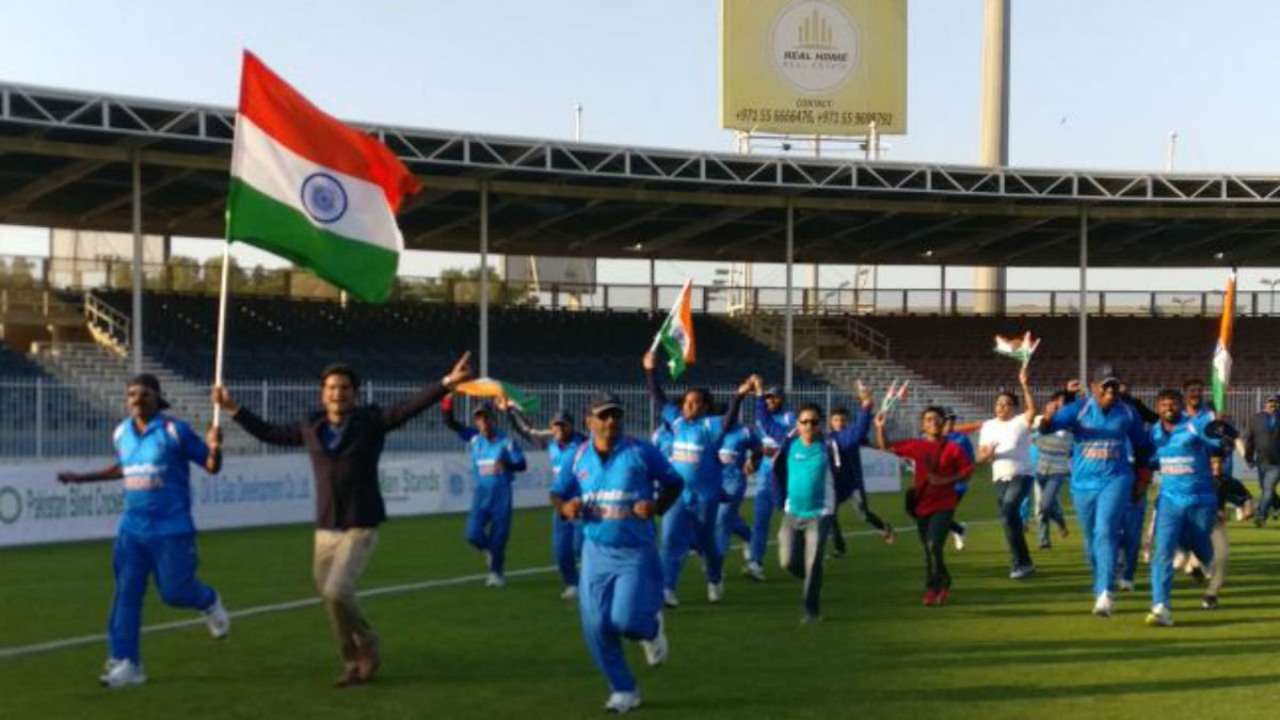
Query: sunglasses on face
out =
(807, 421)
(610, 414)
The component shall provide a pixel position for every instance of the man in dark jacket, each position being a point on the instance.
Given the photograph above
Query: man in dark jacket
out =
(1262, 449)
(345, 442)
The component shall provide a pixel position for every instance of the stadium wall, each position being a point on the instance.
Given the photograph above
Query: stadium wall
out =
(271, 490)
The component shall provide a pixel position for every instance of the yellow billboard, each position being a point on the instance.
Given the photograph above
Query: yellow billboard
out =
(813, 67)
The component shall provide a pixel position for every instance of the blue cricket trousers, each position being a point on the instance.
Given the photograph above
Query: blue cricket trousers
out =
(173, 560)
(619, 596)
(489, 523)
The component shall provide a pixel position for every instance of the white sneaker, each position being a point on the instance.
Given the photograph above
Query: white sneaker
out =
(570, 592)
(217, 619)
(655, 650)
(1103, 607)
(669, 599)
(1159, 616)
(495, 581)
(754, 571)
(622, 702)
(123, 673)
(107, 667)
(1022, 571)
(1126, 585)
(715, 592)
(958, 537)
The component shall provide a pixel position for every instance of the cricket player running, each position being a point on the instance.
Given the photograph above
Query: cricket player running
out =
(495, 460)
(1187, 506)
(695, 445)
(1104, 428)
(739, 457)
(615, 485)
(156, 535)
(560, 441)
(848, 438)
(771, 411)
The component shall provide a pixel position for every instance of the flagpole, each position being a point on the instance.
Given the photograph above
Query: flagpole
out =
(222, 326)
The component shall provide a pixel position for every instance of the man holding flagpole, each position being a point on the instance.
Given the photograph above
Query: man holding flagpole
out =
(324, 195)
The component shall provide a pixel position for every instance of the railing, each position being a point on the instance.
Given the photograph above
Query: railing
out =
(41, 418)
(108, 325)
(187, 276)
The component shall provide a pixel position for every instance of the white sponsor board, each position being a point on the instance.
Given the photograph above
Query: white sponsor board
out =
(272, 490)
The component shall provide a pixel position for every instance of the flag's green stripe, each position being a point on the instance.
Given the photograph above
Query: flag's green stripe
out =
(366, 271)
(675, 353)
(525, 401)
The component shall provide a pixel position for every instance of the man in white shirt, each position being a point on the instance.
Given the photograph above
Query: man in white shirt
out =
(1005, 442)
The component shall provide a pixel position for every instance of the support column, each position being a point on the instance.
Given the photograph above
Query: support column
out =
(484, 278)
(135, 345)
(788, 311)
(994, 152)
(653, 288)
(1084, 298)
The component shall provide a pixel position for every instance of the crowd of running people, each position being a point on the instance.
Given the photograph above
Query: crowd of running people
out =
(693, 473)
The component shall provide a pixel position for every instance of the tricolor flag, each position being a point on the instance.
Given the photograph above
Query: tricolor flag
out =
(676, 333)
(1018, 348)
(490, 388)
(1222, 353)
(312, 189)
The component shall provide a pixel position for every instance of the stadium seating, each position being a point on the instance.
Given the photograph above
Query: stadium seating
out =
(1147, 352)
(271, 338)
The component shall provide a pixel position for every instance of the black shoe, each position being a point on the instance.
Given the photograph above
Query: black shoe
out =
(1209, 602)
(838, 552)
(1198, 575)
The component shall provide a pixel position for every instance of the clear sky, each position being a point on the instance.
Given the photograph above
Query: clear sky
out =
(1095, 83)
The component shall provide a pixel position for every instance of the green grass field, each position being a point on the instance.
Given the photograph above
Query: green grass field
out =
(1001, 649)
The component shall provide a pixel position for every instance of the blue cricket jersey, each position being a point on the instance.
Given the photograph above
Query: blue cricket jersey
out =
(847, 460)
(558, 454)
(611, 485)
(1103, 441)
(774, 428)
(737, 445)
(485, 454)
(157, 478)
(1182, 460)
(695, 447)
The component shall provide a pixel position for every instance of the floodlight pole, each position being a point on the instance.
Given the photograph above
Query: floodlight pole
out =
(789, 320)
(135, 351)
(484, 278)
(994, 149)
(1084, 297)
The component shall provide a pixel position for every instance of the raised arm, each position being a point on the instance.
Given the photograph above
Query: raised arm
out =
(412, 406)
(522, 427)
(882, 442)
(651, 381)
(269, 433)
(1028, 400)
(446, 414)
(730, 419)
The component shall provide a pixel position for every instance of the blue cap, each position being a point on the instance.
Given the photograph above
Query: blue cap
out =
(775, 391)
(562, 418)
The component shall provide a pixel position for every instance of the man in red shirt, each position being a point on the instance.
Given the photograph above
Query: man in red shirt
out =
(938, 464)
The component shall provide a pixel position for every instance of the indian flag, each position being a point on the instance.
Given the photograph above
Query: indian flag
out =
(491, 388)
(676, 334)
(1018, 348)
(1222, 353)
(312, 189)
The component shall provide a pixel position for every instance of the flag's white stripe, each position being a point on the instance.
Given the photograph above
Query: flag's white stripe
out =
(278, 172)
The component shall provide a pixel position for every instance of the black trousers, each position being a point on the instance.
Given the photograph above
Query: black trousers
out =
(933, 536)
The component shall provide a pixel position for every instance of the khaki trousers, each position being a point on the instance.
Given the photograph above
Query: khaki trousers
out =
(341, 557)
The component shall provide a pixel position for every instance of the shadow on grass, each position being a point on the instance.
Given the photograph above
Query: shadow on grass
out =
(1051, 652)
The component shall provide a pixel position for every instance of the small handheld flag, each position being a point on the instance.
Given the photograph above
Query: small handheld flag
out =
(1018, 348)
(893, 395)
(676, 334)
(490, 388)
(1222, 352)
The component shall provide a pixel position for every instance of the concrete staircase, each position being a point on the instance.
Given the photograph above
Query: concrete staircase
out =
(841, 350)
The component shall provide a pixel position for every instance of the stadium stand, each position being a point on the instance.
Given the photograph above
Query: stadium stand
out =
(271, 338)
(956, 351)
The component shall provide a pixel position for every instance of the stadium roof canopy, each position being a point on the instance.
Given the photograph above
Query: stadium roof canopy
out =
(66, 160)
